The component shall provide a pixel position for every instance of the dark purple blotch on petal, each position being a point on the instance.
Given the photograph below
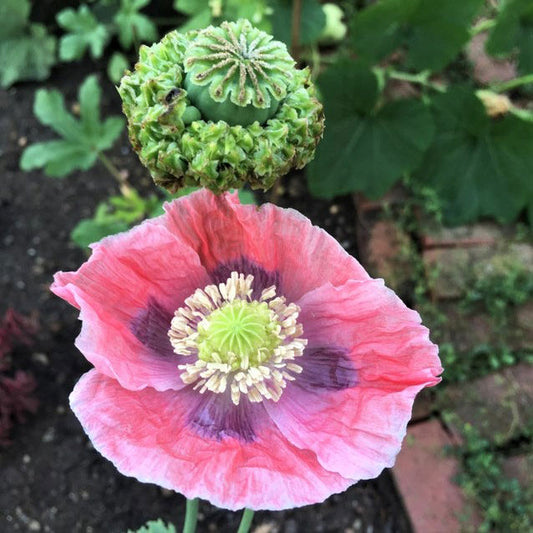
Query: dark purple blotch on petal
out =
(262, 278)
(151, 326)
(326, 368)
(215, 416)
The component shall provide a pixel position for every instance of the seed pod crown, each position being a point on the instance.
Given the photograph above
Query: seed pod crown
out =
(220, 107)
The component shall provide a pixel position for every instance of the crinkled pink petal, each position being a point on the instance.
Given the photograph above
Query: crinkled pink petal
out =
(144, 433)
(221, 230)
(123, 275)
(358, 431)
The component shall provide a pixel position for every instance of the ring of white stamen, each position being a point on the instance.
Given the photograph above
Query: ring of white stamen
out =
(255, 354)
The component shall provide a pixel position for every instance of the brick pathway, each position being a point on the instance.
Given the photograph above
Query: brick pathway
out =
(500, 405)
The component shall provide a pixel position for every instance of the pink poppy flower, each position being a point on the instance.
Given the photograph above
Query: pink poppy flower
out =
(242, 356)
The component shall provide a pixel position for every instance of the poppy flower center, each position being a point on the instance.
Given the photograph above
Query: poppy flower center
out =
(240, 344)
(239, 331)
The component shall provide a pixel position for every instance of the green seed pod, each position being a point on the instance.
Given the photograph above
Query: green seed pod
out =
(219, 108)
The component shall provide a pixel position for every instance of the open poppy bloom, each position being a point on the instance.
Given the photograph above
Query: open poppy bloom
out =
(242, 356)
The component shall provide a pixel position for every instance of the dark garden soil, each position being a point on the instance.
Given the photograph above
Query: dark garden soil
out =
(51, 479)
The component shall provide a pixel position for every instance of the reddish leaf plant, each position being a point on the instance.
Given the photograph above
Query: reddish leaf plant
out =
(16, 389)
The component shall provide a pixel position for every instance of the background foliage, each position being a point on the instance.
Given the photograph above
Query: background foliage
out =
(400, 94)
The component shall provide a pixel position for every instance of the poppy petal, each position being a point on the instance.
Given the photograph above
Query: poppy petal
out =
(222, 231)
(120, 282)
(146, 435)
(357, 431)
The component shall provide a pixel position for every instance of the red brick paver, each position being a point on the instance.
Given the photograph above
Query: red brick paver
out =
(499, 406)
(424, 475)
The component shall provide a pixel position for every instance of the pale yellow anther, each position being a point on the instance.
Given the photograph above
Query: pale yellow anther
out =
(268, 293)
(257, 340)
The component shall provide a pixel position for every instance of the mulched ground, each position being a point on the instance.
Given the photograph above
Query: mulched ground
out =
(51, 478)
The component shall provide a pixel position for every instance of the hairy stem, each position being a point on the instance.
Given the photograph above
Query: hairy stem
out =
(511, 84)
(315, 62)
(191, 516)
(482, 26)
(295, 28)
(121, 177)
(422, 78)
(246, 521)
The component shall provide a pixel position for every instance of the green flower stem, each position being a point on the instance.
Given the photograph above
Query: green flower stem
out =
(422, 78)
(191, 516)
(315, 62)
(115, 172)
(246, 521)
(482, 26)
(295, 28)
(511, 84)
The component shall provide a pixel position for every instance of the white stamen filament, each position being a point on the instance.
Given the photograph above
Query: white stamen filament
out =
(264, 378)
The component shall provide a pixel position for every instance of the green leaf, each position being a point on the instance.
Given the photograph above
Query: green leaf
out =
(348, 87)
(514, 31)
(432, 32)
(478, 166)
(90, 230)
(58, 158)
(365, 148)
(117, 66)
(247, 197)
(131, 207)
(117, 214)
(110, 131)
(133, 27)
(379, 29)
(202, 13)
(312, 22)
(89, 100)
(190, 7)
(84, 32)
(49, 108)
(155, 526)
(82, 140)
(257, 12)
(197, 21)
(14, 16)
(28, 56)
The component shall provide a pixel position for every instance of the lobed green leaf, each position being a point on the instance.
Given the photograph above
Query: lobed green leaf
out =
(133, 27)
(365, 148)
(58, 158)
(89, 100)
(197, 21)
(88, 231)
(14, 16)
(190, 7)
(49, 108)
(110, 131)
(514, 31)
(433, 33)
(117, 66)
(82, 140)
(84, 32)
(28, 56)
(479, 166)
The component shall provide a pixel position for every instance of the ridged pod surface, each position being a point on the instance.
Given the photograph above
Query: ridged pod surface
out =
(220, 107)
